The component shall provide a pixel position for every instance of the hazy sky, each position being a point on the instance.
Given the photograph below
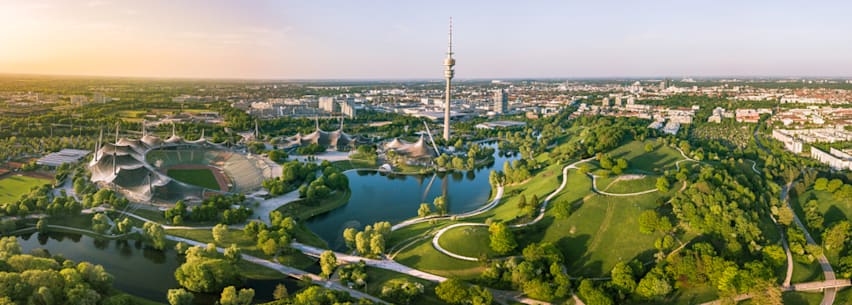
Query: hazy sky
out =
(407, 39)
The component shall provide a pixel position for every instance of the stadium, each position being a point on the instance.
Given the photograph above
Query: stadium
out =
(151, 169)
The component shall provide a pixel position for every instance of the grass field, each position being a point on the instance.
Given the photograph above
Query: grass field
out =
(468, 241)
(641, 161)
(834, 210)
(13, 187)
(200, 177)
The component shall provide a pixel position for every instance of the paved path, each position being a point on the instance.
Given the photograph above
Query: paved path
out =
(809, 286)
(483, 209)
(538, 218)
(266, 206)
(595, 188)
(827, 270)
(289, 271)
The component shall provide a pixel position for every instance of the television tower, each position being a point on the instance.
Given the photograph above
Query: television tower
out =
(449, 62)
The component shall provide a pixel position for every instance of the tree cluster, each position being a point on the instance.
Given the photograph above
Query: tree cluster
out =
(369, 242)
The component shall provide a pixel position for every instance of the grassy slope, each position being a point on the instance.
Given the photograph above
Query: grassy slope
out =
(376, 278)
(599, 226)
(468, 241)
(199, 177)
(13, 187)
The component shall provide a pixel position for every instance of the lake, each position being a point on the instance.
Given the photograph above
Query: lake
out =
(388, 197)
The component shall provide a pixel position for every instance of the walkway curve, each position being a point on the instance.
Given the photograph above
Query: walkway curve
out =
(595, 188)
(538, 218)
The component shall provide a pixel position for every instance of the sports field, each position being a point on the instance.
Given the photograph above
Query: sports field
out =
(13, 187)
(202, 177)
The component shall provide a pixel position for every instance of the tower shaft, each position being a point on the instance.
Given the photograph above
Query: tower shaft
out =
(449, 62)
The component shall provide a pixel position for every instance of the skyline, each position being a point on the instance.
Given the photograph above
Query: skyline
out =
(388, 40)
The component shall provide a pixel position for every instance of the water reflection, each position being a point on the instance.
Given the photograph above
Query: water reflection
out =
(392, 197)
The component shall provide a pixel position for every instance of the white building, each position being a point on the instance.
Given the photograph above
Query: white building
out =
(835, 158)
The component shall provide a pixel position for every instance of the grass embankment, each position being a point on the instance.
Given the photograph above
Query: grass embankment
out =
(248, 246)
(303, 209)
(468, 241)
(202, 177)
(13, 187)
(376, 278)
(345, 165)
(598, 227)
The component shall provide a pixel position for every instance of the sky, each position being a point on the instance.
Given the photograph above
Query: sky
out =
(393, 39)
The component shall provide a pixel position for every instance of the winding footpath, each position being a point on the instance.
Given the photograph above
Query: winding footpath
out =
(437, 237)
(596, 190)
(827, 270)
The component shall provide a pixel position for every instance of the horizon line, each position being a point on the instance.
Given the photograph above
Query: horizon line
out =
(436, 79)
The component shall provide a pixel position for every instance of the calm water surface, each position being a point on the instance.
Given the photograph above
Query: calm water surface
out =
(394, 198)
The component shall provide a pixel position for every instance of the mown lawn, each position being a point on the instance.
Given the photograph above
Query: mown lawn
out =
(424, 257)
(13, 187)
(468, 241)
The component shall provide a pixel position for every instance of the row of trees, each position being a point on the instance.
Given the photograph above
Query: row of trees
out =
(219, 208)
(371, 241)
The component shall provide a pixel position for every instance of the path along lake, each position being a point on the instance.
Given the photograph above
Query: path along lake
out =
(394, 198)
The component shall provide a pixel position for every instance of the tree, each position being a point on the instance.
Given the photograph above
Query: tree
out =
(820, 184)
(377, 244)
(653, 285)
(402, 290)
(502, 240)
(835, 238)
(648, 221)
(622, 278)
(424, 210)
(179, 297)
(362, 243)
(440, 204)
(785, 215)
(649, 147)
(562, 209)
(592, 295)
(41, 225)
(480, 296)
(280, 292)
(203, 274)
(269, 247)
(833, 185)
(328, 261)
(452, 291)
(233, 254)
(774, 255)
(349, 237)
(663, 184)
(230, 296)
(100, 223)
(220, 231)
(155, 234)
(766, 292)
(123, 226)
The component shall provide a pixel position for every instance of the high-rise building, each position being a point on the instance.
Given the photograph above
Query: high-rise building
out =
(501, 101)
(347, 108)
(449, 62)
(328, 104)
